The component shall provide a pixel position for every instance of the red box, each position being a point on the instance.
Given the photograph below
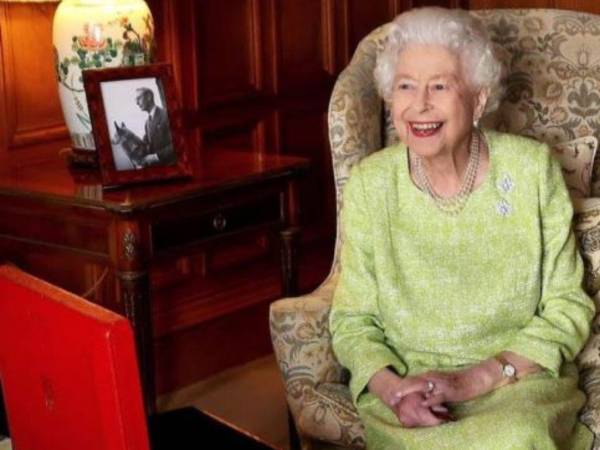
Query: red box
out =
(68, 370)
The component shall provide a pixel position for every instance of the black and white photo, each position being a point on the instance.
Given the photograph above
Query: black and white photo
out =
(135, 124)
(138, 123)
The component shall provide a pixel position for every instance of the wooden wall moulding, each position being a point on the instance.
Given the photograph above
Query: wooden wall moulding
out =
(253, 134)
(305, 45)
(233, 50)
(30, 105)
(355, 19)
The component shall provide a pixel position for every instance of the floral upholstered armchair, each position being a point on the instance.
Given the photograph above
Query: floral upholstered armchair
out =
(552, 94)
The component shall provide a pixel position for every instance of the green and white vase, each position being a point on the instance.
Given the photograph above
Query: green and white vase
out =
(95, 34)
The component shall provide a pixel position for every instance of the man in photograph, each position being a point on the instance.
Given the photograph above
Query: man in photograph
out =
(157, 137)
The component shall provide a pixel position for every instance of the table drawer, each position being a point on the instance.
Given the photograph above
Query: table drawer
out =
(232, 218)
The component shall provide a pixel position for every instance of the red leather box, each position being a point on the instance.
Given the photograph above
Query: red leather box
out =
(68, 370)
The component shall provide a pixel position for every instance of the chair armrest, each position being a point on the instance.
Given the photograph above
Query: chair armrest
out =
(330, 416)
(588, 363)
(316, 384)
(590, 415)
(302, 343)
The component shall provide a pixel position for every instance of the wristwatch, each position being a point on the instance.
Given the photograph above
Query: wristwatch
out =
(509, 371)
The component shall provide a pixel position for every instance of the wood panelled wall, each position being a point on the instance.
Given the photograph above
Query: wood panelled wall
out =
(29, 106)
(254, 75)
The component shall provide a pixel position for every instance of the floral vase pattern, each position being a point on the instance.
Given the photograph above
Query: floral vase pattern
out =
(92, 34)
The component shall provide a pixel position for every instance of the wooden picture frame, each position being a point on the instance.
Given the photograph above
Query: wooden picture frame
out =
(136, 124)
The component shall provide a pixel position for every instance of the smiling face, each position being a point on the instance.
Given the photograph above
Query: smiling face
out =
(433, 107)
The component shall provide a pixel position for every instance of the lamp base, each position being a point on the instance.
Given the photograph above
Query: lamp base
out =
(80, 159)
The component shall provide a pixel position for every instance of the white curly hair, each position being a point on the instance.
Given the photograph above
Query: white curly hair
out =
(454, 29)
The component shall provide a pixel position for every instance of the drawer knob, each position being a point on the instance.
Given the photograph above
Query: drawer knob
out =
(219, 222)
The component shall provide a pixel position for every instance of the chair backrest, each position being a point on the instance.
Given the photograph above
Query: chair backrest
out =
(68, 370)
(552, 87)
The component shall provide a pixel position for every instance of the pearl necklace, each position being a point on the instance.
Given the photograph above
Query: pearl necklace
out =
(455, 204)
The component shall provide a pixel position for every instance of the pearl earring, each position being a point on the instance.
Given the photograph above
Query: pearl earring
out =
(475, 123)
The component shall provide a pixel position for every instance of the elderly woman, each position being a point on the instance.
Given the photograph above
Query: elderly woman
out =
(459, 308)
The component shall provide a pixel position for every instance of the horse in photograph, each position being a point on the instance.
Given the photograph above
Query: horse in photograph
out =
(129, 149)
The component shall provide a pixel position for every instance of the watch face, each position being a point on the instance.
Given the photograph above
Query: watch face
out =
(509, 370)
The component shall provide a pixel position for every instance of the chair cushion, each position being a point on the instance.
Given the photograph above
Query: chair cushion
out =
(576, 159)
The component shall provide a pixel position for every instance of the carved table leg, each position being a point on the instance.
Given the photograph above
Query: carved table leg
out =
(289, 240)
(289, 261)
(133, 299)
(289, 272)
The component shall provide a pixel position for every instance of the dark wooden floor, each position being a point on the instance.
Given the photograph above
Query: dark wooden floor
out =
(190, 429)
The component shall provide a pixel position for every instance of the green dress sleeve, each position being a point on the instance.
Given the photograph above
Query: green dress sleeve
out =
(561, 324)
(358, 337)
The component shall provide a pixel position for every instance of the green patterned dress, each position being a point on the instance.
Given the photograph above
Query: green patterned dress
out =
(422, 290)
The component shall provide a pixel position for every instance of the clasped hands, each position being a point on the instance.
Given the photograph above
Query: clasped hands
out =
(421, 400)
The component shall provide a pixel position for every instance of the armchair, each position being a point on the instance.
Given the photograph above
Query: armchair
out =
(553, 87)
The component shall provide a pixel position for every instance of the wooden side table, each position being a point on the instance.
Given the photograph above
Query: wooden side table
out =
(48, 214)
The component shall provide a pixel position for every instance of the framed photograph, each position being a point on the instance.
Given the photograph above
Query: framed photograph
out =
(136, 124)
